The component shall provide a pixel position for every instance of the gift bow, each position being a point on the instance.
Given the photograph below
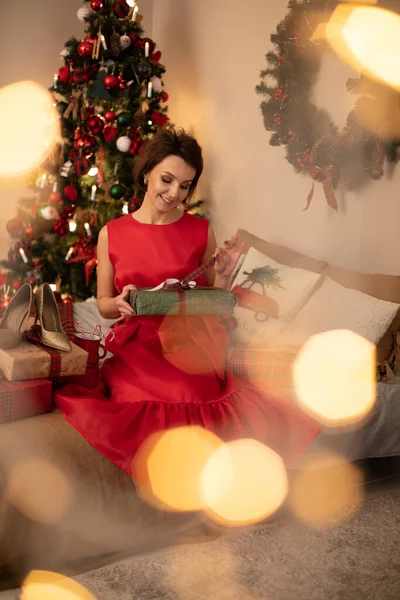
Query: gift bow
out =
(327, 174)
(73, 105)
(187, 282)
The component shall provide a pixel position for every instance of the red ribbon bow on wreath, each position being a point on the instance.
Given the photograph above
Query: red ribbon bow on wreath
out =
(326, 175)
(85, 252)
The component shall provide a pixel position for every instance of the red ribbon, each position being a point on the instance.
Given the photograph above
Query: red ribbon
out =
(327, 174)
(34, 335)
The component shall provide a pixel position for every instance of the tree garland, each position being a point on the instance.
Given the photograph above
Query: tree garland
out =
(314, 143)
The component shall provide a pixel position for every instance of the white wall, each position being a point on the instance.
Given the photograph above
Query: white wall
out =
(32, 34)
(213, 51)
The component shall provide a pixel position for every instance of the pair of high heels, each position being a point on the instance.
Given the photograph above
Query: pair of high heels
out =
(14, 323)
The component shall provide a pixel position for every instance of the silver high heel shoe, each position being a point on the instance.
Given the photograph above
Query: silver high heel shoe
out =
(14, 323)
(52, 334)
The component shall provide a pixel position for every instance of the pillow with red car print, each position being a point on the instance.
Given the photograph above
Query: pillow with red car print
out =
(268, 296)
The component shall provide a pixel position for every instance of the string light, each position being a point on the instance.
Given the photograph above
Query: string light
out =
(69, 253)
(53, 287)
(72, 226)
(23, 255)
(135, 12)
(150, 89)
(93, 194)
(147, 49)
(103, 42)
(125, 208)
(131, 3)
(88, 230)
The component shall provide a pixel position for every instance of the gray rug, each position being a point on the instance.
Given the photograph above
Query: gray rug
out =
(285, 560)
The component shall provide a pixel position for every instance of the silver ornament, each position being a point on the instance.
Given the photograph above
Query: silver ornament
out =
(49, 213)
(157, 84)
(125, 41)
(84, 12)
(123, 143)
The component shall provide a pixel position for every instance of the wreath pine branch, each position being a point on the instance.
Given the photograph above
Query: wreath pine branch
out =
(314, 144)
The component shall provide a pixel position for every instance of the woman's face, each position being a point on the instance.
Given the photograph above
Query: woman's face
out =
(169, 182)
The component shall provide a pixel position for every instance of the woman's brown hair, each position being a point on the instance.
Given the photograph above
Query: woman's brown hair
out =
(169, 141)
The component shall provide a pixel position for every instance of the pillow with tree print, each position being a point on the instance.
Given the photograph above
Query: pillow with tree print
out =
(268, 296)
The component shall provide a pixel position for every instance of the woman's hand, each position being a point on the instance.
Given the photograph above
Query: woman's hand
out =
(228, 257)
(125, 309)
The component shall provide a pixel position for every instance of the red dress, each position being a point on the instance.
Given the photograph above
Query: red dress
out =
(169, 372)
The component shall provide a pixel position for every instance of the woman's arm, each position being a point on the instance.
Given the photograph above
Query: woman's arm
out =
(214, 279)
(228, 256)
(111, 305)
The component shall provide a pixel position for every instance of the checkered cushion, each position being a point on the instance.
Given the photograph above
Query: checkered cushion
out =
(67, 319)
(273, 364)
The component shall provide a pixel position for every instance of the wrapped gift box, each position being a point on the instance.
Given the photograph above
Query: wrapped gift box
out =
(274, 364)
(30, 361)
(24, 399)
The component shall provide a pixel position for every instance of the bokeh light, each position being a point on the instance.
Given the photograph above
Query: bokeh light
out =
(38, 490)
(366, 37)
(327, 491)
(30, 129)
(177, 334)
(44, 585)
(244, 482)
(170, 464)
(334, 377)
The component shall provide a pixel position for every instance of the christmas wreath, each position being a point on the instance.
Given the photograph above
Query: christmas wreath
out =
(315, 145)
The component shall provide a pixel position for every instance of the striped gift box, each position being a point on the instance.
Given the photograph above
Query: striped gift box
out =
(274, 364)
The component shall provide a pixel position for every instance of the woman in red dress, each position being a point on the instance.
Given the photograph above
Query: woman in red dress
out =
(171, 371)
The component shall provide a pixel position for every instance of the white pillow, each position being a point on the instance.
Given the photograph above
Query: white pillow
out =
(333, 306)
(262, 311)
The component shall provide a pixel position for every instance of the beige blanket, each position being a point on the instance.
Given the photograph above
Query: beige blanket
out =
(48, 472)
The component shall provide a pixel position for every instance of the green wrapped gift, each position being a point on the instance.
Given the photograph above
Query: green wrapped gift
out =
(197, 301)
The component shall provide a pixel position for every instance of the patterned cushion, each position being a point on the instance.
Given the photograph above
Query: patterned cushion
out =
(272, 364)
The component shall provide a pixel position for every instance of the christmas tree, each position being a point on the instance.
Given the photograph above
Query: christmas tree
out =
(110, 97)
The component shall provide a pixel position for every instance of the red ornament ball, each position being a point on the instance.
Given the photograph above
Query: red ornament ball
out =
(85, 49)
(90, 39)
(96, 5)
(111, 82)
(109, 116)
(109, 133)
(121, 9)
(16, 284)
(54, 198)
(89, 141)
(81, 166)
(28, 230)
(15, 227)
(64, 75)
(95, 125)
(71, 193)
